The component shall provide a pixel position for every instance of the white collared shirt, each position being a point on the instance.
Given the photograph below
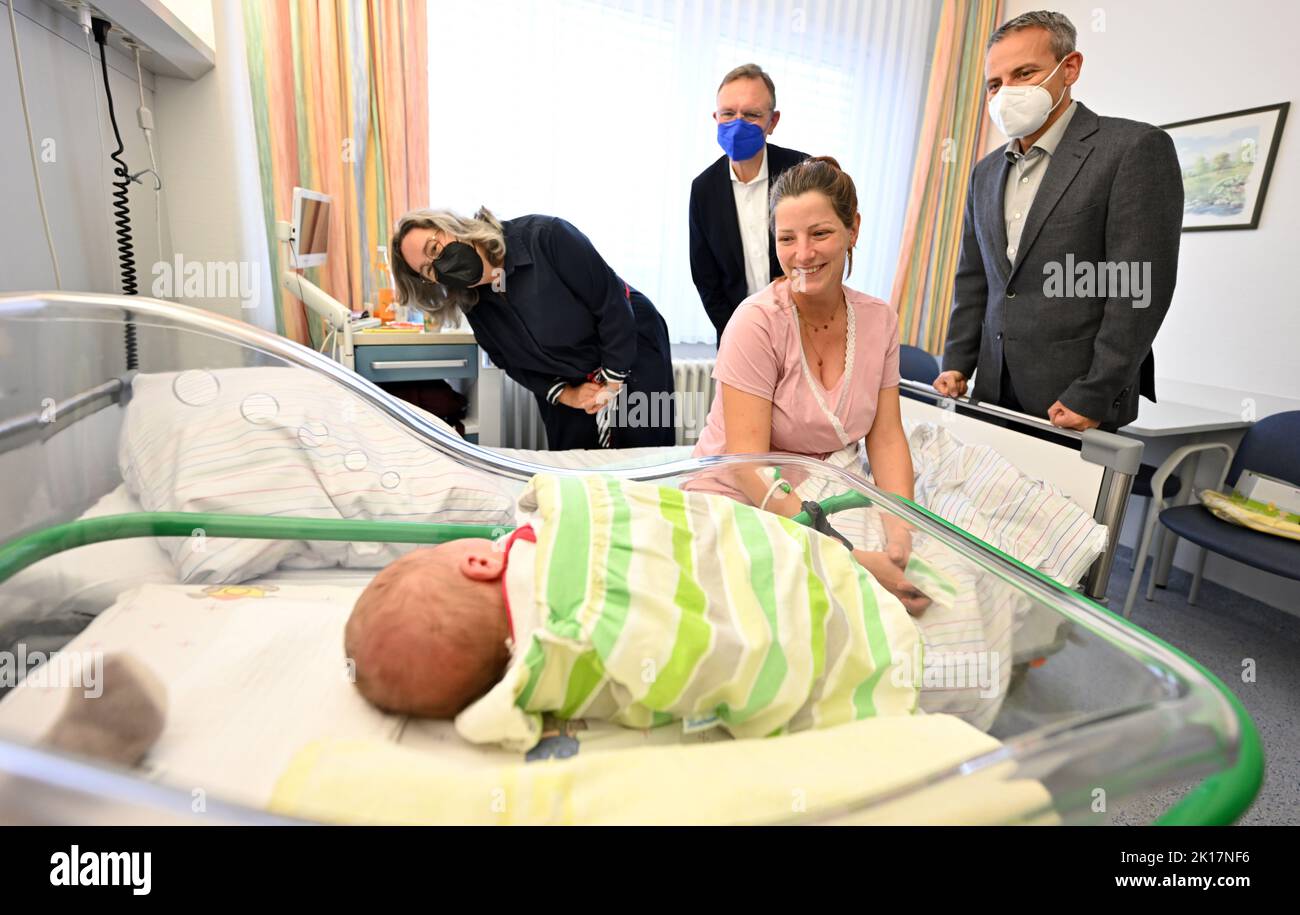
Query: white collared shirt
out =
(751, 214)
(1026, 175)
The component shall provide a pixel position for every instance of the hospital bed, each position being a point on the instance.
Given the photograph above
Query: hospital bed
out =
(109, 409)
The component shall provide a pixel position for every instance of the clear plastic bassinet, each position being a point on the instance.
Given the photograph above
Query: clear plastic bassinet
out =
(113, 405)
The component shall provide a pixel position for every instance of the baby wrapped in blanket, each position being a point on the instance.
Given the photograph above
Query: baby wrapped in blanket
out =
(638, 604)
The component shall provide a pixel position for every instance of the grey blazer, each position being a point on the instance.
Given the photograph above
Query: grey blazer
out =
(1112, 194)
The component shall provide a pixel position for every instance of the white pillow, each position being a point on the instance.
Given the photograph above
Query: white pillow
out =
(286, 442)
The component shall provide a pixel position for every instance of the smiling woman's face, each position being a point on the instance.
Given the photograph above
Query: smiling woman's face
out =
(811, 242)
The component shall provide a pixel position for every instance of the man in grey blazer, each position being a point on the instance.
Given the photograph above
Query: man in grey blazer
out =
(1070, 245)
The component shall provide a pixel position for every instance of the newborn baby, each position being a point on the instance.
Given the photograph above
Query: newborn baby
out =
(432, 631)
(638, 604)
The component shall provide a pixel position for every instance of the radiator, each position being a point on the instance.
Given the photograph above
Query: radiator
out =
(693, 381)
(693, 395)
(521, 424)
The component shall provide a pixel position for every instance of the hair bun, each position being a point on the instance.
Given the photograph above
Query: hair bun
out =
(829, 160)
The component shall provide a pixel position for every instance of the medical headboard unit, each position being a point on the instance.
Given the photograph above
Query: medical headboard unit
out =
(308, 238)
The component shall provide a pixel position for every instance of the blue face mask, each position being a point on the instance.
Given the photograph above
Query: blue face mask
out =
(740, 140)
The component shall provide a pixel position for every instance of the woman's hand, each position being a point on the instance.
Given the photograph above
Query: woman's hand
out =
(605, 393)
(581, 396)
(891, 579)
(898, 540)
(891, 469)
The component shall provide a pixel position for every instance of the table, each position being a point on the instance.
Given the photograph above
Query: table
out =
(413, 355)
(1171, 418)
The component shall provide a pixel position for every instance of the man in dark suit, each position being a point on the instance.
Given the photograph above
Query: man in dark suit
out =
(1070, 246)
(733, 254)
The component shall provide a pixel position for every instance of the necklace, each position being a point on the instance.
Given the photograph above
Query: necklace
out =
(826, 326)
(816, 351)
(812, 328)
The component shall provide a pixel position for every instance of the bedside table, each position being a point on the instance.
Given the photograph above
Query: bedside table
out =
(385, 355)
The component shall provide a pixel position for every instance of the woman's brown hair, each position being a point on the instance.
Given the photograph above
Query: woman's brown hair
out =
(823, 175)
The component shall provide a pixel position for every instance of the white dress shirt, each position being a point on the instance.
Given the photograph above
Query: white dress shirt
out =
(751, 213)
(1027, 174)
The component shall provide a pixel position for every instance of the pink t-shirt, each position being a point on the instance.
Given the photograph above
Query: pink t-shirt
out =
(762, 354)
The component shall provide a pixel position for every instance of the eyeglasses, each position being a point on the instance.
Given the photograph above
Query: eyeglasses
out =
(730, 114)
(434, 254)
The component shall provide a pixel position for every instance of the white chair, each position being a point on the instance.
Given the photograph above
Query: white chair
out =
(1157, 505)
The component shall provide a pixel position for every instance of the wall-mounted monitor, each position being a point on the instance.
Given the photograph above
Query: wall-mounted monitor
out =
(311, 228)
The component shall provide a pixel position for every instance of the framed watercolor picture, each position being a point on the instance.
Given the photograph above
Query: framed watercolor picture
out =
(1226, 161)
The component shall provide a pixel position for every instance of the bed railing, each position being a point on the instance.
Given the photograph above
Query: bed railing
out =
(1117, 455)
(56, 415)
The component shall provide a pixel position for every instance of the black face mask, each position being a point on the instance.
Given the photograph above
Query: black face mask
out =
(458, 266)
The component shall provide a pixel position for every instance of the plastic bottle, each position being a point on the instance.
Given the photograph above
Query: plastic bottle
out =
(383, 280)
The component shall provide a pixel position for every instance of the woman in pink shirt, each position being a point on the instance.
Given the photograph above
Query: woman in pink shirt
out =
(809, 366)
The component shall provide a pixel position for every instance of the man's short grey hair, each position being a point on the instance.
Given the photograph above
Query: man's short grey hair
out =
(1058, 26)
(751, 71)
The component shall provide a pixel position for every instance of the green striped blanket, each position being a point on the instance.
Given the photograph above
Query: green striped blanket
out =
(657, 605)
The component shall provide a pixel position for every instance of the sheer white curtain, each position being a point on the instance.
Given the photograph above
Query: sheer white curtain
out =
(599, 111)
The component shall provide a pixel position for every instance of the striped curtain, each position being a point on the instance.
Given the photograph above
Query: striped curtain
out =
(947, 148)
(341, 106)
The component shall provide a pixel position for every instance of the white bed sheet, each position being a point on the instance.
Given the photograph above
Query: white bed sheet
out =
(254, 673)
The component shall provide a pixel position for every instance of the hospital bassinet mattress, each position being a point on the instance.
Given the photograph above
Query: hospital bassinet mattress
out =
(255, 676)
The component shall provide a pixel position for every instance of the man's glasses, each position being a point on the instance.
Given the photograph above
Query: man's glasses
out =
(730, 114)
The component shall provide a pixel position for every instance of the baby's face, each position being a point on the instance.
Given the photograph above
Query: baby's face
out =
(428, 635)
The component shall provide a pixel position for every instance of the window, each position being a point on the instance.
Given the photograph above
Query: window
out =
(600, 111)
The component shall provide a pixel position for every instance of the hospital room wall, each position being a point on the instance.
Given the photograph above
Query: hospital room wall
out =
(199, 222)
(198, 16)
(55, 480)
(1228, 341)
(75, 173)
(211, 156)
(211, 200)
(1237, 297)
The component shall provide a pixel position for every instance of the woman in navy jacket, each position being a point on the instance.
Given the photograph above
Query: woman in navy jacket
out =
(551, 313)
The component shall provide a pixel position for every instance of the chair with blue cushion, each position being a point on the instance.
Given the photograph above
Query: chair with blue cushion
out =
(915, 364)
(1270, 447)
(1142, 489)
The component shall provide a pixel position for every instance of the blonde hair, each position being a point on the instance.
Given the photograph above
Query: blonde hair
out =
(435, 299)
(823, 175)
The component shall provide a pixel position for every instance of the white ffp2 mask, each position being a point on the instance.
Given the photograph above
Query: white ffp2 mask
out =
(1018, 111)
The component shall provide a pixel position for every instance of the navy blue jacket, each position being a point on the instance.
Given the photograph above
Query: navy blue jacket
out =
(717, 257)
(558, 312)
